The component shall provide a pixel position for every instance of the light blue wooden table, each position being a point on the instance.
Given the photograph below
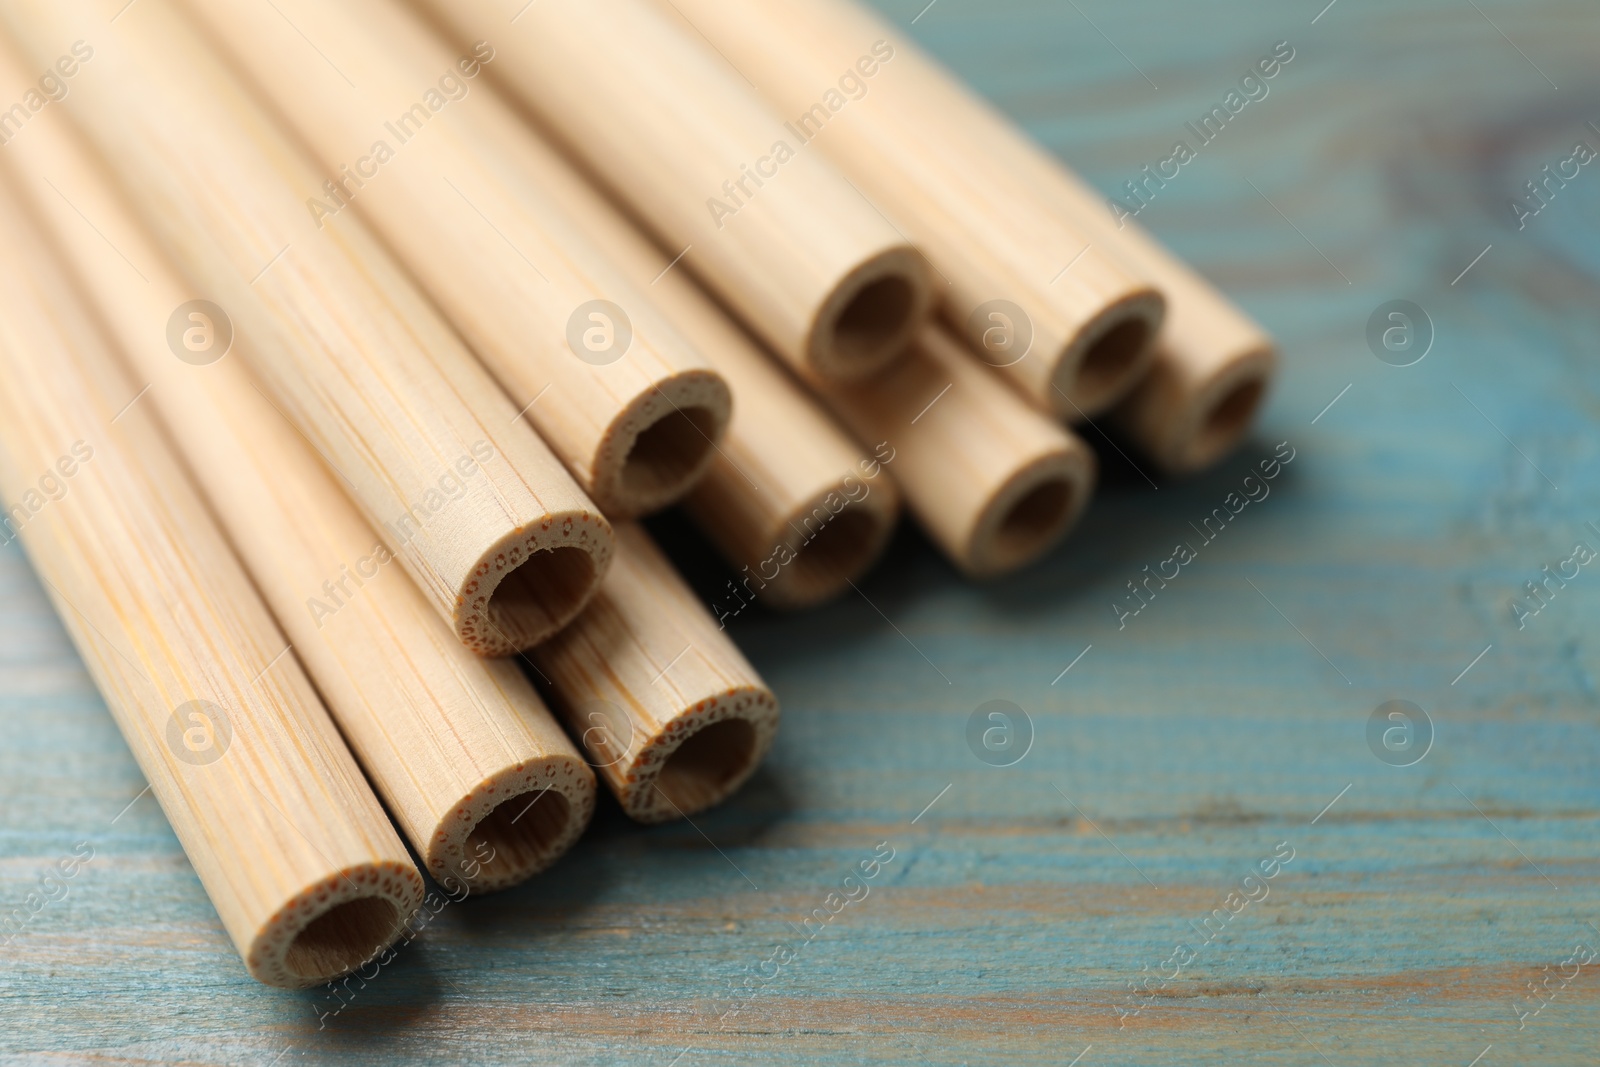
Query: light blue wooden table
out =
(1031, 914)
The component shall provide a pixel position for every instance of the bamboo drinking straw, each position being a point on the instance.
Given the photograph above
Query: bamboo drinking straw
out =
(994, 482)
(484, 517)
(669, 710)
(917, 125)
(792, 502)
(789, 499)
(633, 410)
(307, 875)
(765, 221)
(479, 775)
(1051, 308)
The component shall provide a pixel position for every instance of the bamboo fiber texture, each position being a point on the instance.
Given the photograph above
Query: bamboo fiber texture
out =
(481, 778)
(307, 875)
(790, 500)
(766, 222)
(994, 482)
(1212, 363)
(671, 713)
(476, 507)
(1041, 299)
(628, 405)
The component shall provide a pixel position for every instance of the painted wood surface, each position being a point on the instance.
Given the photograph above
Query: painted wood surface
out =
(1173, 756)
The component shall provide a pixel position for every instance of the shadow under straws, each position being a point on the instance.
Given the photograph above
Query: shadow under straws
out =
(1128, 523)
(378, 1014)
(815, 638)
(742, 817)
(618, 860)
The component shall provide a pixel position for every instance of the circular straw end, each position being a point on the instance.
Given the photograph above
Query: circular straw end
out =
(1108, 357)
(870, 318)
(340, 923)
(702, 756)
(658, 447)
(533, 582)
(1031, 512)
(513, 824)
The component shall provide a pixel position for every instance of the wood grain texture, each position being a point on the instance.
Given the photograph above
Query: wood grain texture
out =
(1078, 331)
(636, 418)
(474, 504)
(1006, 928)
(998, 216)
(795, 505)
(459, 747)
(659, 118)
(303, 868)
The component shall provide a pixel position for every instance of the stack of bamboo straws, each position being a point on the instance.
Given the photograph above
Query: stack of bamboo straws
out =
(753, 255)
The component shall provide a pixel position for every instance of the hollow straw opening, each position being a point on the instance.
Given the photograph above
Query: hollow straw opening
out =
(1110, 361)
(1034, 519)
(874, 319)
(668, 453)
(552, 582)
(1227, 419)
(522, 830)
(842, 547)
(343, 937)
(700, 769)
